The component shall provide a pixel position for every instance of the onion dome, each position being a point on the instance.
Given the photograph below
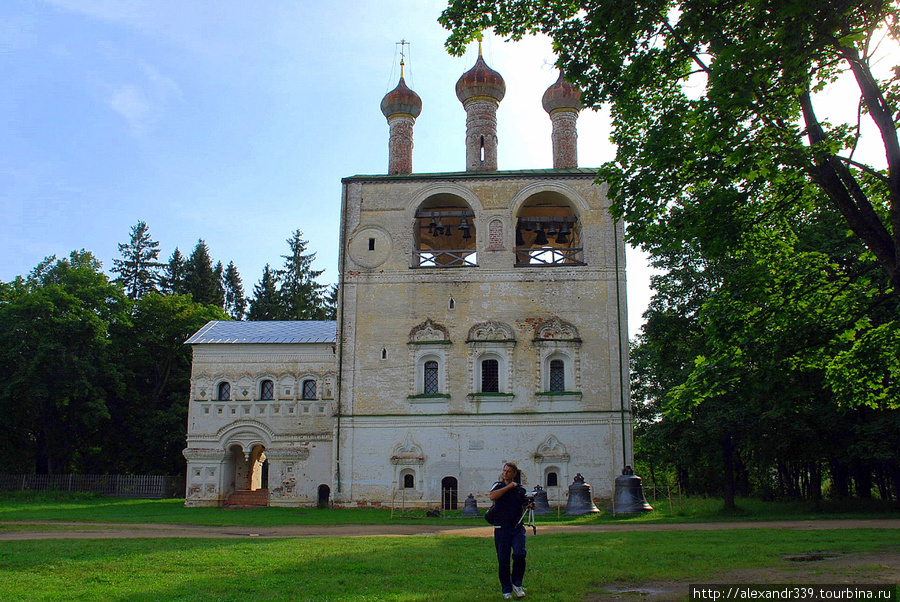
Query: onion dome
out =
(480, 81)
(401, 100)
(561, 95)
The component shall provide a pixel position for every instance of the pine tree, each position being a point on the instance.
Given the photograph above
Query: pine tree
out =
(331, 302)
(235, 301)
(138, 269)
(266, 302)
(201, 279)
(301, 295)
(173, 279)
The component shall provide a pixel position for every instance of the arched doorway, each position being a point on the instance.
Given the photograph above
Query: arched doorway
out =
(448, 493)
(324, 496)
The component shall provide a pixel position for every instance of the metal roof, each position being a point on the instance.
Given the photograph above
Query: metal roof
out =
(567, 172)
(222, 332)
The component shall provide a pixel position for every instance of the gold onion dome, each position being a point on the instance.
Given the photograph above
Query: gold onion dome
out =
(401, 100)
(480, 81)
(561, 95)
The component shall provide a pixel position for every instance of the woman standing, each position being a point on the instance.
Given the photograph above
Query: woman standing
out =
(509, 533)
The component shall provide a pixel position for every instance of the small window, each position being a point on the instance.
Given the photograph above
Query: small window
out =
(431, 378)
(267, 390)
(309, 389)
(490, 376)
(552, 479)
(409, 481)
(371, 244)
(557, 376)
(223, 392)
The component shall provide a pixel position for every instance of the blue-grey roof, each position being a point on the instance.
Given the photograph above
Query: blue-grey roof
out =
(219, 331)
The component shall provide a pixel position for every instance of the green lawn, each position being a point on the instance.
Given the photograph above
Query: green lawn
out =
(63, 507)
(561, 567)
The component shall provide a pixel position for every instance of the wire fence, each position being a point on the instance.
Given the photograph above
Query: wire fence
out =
(125, 486)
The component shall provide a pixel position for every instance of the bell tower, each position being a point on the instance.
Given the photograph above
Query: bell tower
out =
(480, 90)
(401, 106)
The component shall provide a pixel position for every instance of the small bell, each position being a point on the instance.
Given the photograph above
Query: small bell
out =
(471, 507)
(580, 501)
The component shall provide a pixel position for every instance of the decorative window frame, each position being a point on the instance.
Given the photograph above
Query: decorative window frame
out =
(491, 340)
(556, 339)
(552, 456)
(408, 458)
(428, 341)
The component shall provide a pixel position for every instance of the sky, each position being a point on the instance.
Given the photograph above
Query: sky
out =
(235, 121)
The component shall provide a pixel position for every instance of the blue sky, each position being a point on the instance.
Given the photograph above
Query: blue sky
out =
(235, 122)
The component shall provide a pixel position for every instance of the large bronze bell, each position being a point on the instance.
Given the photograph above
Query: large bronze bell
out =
(471, 507)
(580, 500)
(541, 506)
(629, 494)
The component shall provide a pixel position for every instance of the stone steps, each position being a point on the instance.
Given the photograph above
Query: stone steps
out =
(244, 498)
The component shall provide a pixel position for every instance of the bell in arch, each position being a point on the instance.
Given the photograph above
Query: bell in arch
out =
(629, 494)
(580, 500)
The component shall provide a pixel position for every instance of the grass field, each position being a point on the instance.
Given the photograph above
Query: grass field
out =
(561, 567)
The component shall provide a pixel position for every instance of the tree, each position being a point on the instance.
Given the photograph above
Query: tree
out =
(150, 413)
(203, 281)
(266, 302)
(715, 110)
(301, 296)
(235, 301)
(138, 269)
(173, 279)
(57, 367)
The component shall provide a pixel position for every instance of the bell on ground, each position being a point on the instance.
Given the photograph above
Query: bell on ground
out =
(580, 501)
(471, 507)
(541, 506)
(629, 494)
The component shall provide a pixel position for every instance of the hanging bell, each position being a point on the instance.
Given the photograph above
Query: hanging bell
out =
(580, 501)
(471, 507)
(561, 239)
(551, 231)
(541, 506)
(432, 226)
(541, 238)
(629, 494)
(439, 228)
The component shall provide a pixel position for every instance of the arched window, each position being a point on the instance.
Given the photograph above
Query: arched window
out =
(223, 391)
(557, 376)
(552, 479)
(431, 383)
(267, 390)
(309, 389)
(409, 481)
(490, 376)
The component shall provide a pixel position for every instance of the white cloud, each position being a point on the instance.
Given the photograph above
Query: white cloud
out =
(129, 101)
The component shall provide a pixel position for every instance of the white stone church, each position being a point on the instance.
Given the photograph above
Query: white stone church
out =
(481, 319)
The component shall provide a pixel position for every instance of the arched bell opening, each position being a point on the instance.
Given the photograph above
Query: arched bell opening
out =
(548, 232)
(444, 233)
(449, 492)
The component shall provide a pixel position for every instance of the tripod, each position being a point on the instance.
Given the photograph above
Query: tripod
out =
(527, 519)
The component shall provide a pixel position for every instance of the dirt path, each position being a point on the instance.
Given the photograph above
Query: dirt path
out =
(17, 531)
